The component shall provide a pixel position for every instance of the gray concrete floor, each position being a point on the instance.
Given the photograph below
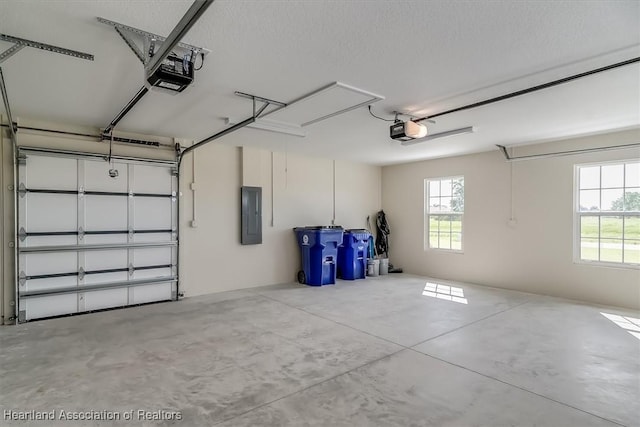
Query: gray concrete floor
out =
(373, 352)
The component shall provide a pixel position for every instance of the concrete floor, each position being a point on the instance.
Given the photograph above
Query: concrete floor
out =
(374, 352)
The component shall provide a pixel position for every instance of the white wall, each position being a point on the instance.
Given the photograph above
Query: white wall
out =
(535, 255)
(299, 192)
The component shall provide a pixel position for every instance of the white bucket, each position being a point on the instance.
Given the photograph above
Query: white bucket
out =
(384, 266)
(373, 267)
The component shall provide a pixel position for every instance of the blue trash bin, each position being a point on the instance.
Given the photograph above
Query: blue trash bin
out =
(352, 254)
(319, 253)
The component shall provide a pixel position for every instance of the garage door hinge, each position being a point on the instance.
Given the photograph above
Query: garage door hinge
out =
(22, 159)
(175, 171)
(131, 270)
(22, 190)
(80, 191)
(80, 233)
(81, 273)
(22, 234)
(22, 278)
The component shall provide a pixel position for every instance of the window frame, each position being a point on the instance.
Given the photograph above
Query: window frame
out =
(577, 216)
(427, 213)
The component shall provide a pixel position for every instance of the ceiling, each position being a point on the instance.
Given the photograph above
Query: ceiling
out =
(423, 56)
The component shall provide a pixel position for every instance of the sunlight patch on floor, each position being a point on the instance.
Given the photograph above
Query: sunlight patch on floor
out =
(629, 324)
(445, 292)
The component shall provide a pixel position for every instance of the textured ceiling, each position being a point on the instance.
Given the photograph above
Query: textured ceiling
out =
(423, 56)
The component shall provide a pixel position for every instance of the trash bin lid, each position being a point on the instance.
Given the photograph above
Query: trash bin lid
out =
(323, 227)
(357, 230)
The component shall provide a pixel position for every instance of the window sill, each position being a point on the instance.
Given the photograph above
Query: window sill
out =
(604, 264)
(450, 251)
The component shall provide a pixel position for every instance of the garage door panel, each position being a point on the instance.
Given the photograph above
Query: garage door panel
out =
(57, 173)
(51, 212)
(152, 213)
(152, 273)
(105, 213)
(50, 240)
(104, 239)
(152, 179)
(54, 305)
(108, 298)
(50, 283)
(49, 263)
(150, 293)
(152, 237)
(103, 260)
(152, 256)
(96, 279)
(96, 177)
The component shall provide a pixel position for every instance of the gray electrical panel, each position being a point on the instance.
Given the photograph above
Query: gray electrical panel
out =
(251, 221)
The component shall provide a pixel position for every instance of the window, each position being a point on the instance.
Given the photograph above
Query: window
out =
(608, 213)
(444, 209)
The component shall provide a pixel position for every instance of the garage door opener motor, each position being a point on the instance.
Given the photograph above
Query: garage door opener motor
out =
(174, 73)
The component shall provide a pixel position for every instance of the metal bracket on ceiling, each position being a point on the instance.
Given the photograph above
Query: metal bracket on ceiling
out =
(260, 99)
(504, 151)
(257, 112)
(10, 52)
(133, 46)
(149, 41)
(266, 103)
(397, 115)
(19, 43)
(510, 158)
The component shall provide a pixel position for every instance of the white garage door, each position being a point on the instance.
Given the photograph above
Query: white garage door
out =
(88, 241)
